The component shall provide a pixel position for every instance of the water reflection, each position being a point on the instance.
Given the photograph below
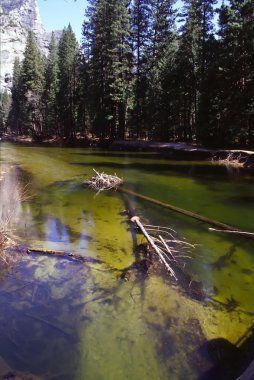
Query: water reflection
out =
(57, 231)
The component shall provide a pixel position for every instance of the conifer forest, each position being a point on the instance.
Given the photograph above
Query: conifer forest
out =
(144, 70)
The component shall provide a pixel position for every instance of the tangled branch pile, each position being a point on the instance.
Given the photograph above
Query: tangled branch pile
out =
(232, 161)
(102, 181)
(164, 243)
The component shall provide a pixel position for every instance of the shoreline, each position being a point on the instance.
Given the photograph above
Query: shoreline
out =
(169, 150)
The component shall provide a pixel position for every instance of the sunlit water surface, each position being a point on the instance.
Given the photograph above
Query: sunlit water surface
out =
(62, 319)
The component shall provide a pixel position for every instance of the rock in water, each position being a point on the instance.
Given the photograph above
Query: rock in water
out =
(16, 18)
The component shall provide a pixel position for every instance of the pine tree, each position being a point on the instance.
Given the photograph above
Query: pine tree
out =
(247, 38)
(5, 102)
(51, 90)
(96, 36)
(121, 56)
(15, 114)
(83, 97)
(107, 38)
(32, 83)
(234, 82)
(193, 61)
(68, 74)
(141, 18)
(162, 46)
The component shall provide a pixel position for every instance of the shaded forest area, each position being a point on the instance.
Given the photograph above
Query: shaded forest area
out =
(145, 71)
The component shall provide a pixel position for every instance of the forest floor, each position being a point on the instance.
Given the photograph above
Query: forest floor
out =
(170, 150)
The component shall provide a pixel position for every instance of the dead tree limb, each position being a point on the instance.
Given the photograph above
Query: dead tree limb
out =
(160, 253)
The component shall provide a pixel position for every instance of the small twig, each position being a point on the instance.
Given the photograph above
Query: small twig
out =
(181, 242)
(159, 228)
(156, 230)
(167, 247)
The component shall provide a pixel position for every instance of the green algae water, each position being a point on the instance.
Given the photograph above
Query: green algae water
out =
(62, 319)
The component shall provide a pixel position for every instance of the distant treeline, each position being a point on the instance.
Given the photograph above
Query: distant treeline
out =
(145, 70)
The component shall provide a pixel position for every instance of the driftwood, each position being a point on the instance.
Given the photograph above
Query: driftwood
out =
(165, 247)
(67, 255)
(102, 181)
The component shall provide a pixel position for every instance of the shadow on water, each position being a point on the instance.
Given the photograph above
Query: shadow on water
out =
(35, 333)
(229, 360)
(44, 306)
(128, 155)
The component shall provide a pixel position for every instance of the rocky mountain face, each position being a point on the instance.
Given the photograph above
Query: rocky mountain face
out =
(16, 18)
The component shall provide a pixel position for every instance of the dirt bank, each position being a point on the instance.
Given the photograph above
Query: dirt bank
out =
(184, 151)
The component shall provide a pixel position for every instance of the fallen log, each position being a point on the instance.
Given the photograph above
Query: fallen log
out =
(102, 181)
(191, 214)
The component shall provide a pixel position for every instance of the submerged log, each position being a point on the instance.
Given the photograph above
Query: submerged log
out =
(67, 255)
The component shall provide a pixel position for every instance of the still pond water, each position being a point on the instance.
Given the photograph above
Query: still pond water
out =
(65, 320)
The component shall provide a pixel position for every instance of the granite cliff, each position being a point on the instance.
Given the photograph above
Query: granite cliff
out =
(17, 17)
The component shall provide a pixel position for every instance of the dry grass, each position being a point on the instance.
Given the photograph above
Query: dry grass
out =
(12, 193)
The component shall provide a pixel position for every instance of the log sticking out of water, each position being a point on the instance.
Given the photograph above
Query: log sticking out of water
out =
(222, 226)
(103, 181)
(164, 246)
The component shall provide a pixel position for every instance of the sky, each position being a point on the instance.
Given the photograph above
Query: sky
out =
(56, 14)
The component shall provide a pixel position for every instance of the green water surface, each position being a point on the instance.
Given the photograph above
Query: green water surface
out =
(61, 319)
